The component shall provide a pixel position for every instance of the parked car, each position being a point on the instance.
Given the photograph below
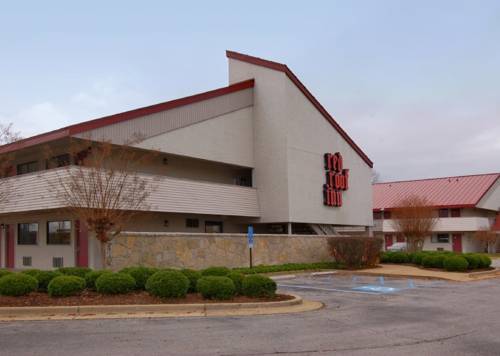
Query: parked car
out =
(398, 246)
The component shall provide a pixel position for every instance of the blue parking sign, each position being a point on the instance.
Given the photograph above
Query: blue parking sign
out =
(250, 236)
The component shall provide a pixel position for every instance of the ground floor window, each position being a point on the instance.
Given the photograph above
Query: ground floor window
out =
(213, 227)
(59, 232)
(192, 223)
(27, 233)
(440, 238)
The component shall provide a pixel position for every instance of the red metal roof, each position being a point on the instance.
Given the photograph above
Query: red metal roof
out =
(284, 68)
(462, 191)
(124, 116)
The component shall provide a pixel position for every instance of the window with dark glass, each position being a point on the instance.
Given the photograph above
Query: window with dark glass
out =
(387, 214)
(192, 223)
(27, 167)
(377, 215)
(27, 233)
(59, 161)
(440, 238)
(443, 213)
(455, 213)
(59, 232)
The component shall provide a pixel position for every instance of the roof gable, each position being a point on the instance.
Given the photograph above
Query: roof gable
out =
(461, 191)
(284, 68)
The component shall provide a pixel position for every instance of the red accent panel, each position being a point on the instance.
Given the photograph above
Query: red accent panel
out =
(82, 244)
(9, 250)
(496, 226)
(283, 68)
(124, 116)
(457, 243)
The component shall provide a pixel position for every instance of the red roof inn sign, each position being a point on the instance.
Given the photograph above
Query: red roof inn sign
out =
(337, 179)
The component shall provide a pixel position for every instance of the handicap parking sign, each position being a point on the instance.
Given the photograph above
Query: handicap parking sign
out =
(250, 236)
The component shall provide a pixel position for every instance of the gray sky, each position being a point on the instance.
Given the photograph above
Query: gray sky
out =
(415, 83)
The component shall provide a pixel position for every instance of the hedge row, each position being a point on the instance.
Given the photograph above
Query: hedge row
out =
(218, 283)
(447, 260)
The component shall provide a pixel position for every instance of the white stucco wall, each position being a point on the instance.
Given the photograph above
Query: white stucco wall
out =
(491, 199)
(291, 137)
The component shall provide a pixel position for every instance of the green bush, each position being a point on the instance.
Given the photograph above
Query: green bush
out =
(398, 257)
(75, 271)
(216, 287)
(140, 274)
(385, 257)
(485, 261)
(288, 267)
(115, 283)
(434, 260)
(31, 272)
(168, 284)
(237, 279)
(193, 277)
(258, 286)
(17, 284)
(92, 276)
(44, 278)
(418, 257)
(473, 259)
(455, 263)
(215, 271)
(65, 286)
(4, 272)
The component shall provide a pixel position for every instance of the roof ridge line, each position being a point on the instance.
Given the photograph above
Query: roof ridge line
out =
(448, 177)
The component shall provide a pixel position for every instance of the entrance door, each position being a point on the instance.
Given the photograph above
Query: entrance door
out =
(9, 246)
(457, 243)
(81, 244)
(388, 240)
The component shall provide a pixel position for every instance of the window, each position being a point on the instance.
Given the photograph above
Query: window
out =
(387, 214)
(213, 227)
(377, 215)
(57, 262)
(27, 261)
(27, 167)
(455, 213)
(59, 232)
(441, 238)
(192, 223)
(27, 233)
(443, 213)
(59, 161)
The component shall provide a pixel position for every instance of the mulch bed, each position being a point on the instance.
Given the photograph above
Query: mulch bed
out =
(38, 299)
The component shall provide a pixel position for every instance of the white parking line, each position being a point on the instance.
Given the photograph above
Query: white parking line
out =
(327, 289)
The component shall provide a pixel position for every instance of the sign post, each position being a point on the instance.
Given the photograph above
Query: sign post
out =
(250, 243)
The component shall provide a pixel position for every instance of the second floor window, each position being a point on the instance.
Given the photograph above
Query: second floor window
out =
(27, 167)
(443, 213)
(59, 161)
(455, 213)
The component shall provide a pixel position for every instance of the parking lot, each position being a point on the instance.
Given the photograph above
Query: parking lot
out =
(417, 317)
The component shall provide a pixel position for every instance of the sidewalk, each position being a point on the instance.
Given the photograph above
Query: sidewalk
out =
(393, 270)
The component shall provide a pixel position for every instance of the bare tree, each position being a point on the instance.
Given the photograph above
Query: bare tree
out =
(488, 237)
(104, 188)
(7, 135)
(414, 218)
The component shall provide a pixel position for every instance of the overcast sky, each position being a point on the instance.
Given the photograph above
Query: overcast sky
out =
(415, 83)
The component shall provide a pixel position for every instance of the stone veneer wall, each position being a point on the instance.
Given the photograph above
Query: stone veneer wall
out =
(203, 250)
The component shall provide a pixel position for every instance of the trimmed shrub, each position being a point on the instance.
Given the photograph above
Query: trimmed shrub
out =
(288, 267)
(258, 286)
(31, 272)
(168, 284)
(418, 257)
(399, 257)
(355, 251)
(4, 272)
(92, 276)
(485, 261)
(473, 259)
(385, 257)
(433, 261)
(75, 271)
(455, 263)
(215, 271)
(193, 277)
(115, 283)
(237, 279)
(44, 278)
(65, 286)
(140, 274)
(216, 287)
(17, 284)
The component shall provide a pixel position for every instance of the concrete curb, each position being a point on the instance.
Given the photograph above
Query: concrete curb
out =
(296, 304)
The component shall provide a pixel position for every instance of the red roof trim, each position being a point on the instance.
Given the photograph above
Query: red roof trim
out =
(124, 116)
(284, 68)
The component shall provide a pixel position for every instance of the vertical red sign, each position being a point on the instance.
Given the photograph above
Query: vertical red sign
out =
(336, 179)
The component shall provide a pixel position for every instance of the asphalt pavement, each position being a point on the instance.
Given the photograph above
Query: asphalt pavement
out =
(417, 318)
